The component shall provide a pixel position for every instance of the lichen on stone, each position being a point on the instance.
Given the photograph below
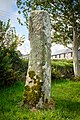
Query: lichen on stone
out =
(38, 80)
(33, 93)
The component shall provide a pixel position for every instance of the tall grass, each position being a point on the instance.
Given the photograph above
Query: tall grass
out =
(65, 93)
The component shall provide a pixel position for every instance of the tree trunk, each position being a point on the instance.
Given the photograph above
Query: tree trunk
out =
(75, 55)
(38, 79)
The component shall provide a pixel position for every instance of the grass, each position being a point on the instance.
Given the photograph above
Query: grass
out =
(65, 93)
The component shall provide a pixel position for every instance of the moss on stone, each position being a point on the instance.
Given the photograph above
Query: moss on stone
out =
(31, 74)
(27, 88)
(34, 81)
(34, 93)
(37, 77)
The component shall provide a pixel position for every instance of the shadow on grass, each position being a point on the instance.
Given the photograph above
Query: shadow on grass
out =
(58, 81)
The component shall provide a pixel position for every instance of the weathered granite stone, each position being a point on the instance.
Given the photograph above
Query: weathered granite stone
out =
(38, 79)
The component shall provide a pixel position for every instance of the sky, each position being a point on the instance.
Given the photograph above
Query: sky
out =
(9, 10)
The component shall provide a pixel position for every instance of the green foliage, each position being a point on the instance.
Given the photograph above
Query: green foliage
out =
(64, 92)
(65, 20)
(61, 69)
(65, 15)
(11, 66)
(76, 79)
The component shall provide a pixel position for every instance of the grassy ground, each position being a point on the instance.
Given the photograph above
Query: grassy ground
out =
(65, 93)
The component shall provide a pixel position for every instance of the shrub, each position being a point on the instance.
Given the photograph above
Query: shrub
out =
(12, 68)
(61, 68)
(76, 79)
(10, 63)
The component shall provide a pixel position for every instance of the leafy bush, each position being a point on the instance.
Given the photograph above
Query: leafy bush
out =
(12, 68)
(76, 79)
(61, 68)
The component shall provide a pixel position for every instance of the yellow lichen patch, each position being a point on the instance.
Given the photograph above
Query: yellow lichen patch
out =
(32, 94)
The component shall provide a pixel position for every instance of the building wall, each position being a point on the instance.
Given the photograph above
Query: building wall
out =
(65, 55)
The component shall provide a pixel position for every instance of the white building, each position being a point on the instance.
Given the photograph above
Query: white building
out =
(64, 54)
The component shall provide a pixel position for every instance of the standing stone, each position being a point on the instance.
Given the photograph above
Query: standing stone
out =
(38, 79)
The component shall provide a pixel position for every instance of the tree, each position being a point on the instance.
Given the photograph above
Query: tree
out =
(8, 36)
(65, 17)
(9, 59)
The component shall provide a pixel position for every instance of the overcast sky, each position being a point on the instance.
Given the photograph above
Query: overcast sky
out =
(8, 9)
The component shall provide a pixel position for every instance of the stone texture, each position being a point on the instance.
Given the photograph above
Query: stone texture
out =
(38, 78)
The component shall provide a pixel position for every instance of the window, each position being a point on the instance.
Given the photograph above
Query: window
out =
(64, 55)
(55, 56)
(71, 54)
(59, 56)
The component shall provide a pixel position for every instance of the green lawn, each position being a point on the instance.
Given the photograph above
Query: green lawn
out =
(65, 93)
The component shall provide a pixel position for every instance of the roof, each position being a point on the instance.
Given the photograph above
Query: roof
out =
(62, 51)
